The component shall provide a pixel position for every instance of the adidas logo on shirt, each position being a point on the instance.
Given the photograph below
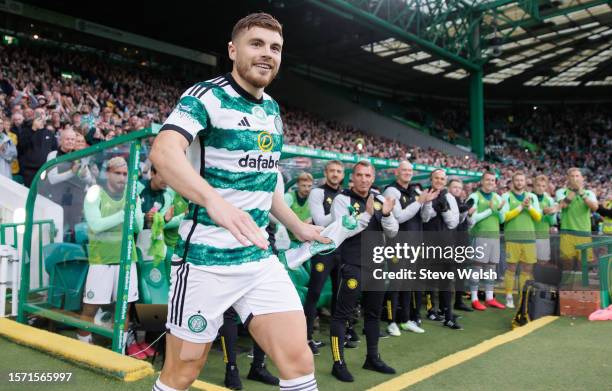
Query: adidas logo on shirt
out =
(244, 122)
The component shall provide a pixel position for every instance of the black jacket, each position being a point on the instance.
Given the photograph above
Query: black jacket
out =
(33, 147)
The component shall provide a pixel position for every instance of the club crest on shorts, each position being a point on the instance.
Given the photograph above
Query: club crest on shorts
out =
(197, 323)
(319, 267)
(352, 283)
(90, 294)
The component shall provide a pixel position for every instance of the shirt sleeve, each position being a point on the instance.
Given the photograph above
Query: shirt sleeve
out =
(478, 216)
(451, 216)
(93, 217)
(389, 223)
(428, 212)
(402, 215)
(288, 199)
(315, 204)
(189, 117)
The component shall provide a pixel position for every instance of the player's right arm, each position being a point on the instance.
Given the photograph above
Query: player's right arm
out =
(185, 122)
(315, 204)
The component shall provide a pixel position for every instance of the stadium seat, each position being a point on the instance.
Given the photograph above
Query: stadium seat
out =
(67, 266)
(153, 285)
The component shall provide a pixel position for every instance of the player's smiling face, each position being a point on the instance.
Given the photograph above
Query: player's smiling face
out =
(256, 53)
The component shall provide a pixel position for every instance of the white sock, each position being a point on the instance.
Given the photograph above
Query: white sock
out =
(159, 386)
(489, 295)
(474, 295)
(85, 338)
(304, 383)
(509, 296)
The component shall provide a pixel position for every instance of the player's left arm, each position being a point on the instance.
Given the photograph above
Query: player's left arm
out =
(589, 199)
(451, 216)
(280, 210)
(534, 209)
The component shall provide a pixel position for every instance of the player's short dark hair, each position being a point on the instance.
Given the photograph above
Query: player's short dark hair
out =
(259, 19)
(488, 172)
(331, 162)
(455, 180)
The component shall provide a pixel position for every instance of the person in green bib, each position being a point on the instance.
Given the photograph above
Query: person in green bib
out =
(104, 214)
(485, 219)
(576, 204)
(520, 213)
(549, 210)
(297, 201)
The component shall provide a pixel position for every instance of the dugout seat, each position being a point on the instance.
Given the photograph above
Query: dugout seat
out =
(67, 266)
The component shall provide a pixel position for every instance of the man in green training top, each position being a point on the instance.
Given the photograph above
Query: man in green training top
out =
(485, 219)
(549, 208)
(520, 213)
(220, 148)
(576, 204)
(297, 201)
(104, 215)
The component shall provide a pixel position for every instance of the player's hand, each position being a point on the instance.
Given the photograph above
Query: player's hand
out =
(526, 202)
(238, 222)
(149, 216)
(432, 194)
(169, 214)
(570, 196)
(370, 205)
(471, 211)
(308, 232)
(388, 205)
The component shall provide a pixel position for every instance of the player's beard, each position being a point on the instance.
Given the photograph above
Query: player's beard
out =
(246, 69)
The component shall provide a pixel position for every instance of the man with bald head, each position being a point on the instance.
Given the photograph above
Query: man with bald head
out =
(408, 202)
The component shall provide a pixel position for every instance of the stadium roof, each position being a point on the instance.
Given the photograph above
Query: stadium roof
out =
(542, 49)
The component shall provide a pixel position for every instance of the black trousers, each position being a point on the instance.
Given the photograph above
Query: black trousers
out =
(348, 296)
(229, 338)
(322, 266)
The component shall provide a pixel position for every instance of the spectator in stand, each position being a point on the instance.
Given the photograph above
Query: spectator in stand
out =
(34, 144)
(8, 150)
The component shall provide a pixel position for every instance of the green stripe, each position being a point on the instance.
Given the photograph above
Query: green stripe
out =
(204, 255)
(192, 107)
(575, 233)
(258, 215)
(247, 181)
(240, 104)
(242, 140)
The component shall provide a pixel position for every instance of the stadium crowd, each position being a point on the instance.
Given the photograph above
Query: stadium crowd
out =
(44, 91)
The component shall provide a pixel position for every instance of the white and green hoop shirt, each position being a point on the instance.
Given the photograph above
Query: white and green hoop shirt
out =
(235, 143)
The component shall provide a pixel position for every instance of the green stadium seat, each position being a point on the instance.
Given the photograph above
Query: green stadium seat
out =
(153, 281)
(67, 266)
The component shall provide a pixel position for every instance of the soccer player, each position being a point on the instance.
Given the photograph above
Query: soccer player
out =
(520, 212)
(576, 204)
(549, 209)
(406, 211)
(328, 265)
(104, 213)
(485, 220)
(375, 214)
(297, 201)
(232, 133)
